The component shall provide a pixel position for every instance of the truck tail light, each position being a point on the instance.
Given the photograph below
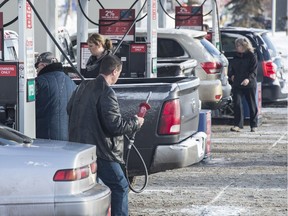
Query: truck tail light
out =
(269, 69)
(211, 67)
(170, 118)
(75, 174)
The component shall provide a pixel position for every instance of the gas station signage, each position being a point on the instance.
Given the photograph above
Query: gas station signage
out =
(138, 48)
(31, 90)
(8, 83)
(28, 16)
(115, 23)
(8, 70)
(189, 17)
(84, 55)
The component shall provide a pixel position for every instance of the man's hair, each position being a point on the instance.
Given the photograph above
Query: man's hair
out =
(45, 57)
(109, 63)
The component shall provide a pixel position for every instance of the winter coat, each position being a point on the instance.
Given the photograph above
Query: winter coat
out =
(53, 90)
(95, 118)
(244, 66)
(93, 65)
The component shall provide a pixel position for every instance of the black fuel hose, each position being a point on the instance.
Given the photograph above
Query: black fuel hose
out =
(3, 3)
(130, 146)
(13, 20)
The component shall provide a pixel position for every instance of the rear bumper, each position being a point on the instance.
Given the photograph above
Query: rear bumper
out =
(186, 153)
(273, 92)
(209, 91)
(95, 201)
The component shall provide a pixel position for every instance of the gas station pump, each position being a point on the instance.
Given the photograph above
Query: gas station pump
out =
(17, 78)
(139, 59)
(119, 26)
(9, 94)
(134, 58)
(8, 79)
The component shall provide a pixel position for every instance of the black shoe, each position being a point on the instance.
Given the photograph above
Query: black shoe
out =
(253, 129)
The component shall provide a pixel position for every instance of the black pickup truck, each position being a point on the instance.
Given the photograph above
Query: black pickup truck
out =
(169, 138)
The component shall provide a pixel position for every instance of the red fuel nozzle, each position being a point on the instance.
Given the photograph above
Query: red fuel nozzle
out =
(144, 106)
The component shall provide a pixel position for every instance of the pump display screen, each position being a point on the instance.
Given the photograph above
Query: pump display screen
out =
(8, 83)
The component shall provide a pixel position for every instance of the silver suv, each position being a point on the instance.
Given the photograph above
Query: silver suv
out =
(212, 68)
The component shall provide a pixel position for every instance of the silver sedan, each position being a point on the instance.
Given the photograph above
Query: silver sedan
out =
(48, 177)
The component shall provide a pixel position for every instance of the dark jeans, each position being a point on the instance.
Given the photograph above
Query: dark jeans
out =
(249, 94)
(113, 176)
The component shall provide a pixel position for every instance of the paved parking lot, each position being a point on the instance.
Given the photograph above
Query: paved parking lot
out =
(247, 175)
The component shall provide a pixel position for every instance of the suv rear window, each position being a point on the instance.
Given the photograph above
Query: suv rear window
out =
(166, 48)
(269, 44)
(228, 42)
(169, 48)
(210, 47)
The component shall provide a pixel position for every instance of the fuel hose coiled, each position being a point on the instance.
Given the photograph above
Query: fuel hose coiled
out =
(143, 107)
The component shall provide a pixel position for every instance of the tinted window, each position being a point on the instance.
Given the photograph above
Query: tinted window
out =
(262, 49)
(228, 45)
(228, 42)
(269, 44)
(210, 47)
(169, 48)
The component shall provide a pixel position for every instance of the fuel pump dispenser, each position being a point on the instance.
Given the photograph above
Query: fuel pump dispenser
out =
(8, 78)
(143, 107)
(17, 73)
(134, 58)
(9, 94)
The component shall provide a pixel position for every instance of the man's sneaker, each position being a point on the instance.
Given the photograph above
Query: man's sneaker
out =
(253, 129)
(235, 129)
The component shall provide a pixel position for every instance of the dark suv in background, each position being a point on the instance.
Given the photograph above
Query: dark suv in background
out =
(270, 68)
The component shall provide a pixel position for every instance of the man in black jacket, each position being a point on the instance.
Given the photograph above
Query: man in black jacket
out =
(53, 91)
(95, 118)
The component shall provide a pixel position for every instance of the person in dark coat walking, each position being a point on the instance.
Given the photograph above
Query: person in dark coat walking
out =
(95, 118)
(99, 46)
(53, 90)
(243, 74)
